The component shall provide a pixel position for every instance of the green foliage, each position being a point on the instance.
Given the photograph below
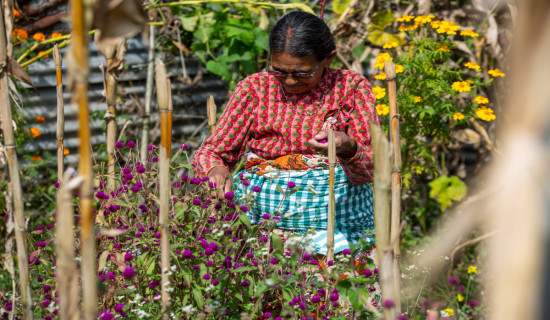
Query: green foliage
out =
(447, 189)
(376, 31)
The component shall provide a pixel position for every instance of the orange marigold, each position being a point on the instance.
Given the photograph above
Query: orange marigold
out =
(40, 119)
(46, 56)
(66, 151)
(55, 35)
(36, 158)
(16, 14)
(35, 132)
(19, 35)
(39, 36)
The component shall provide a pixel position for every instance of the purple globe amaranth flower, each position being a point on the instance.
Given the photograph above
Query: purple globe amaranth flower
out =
(321, 292)
(452, 280)
(256, 188)
(209, 263)
(474, 303)
(151, 147)
(128, 273)
(119, 144)
(140, 169)
(128, 256)
(315, 299)
(158, 235)
(57, 184)
(264, 239)
(184, 177)
(246, 182)
(273, 260)
(110, 275)
(48, 317)
(138, 235)
(244, 208)
(183, 147)
(135, 188)
(334, 297)
(267, 315)
(187, 254)
(375, 270)
(313, 262)
(128, 176)
(9, 306)
(130, 144)
(245, 283)
(402, 316)
(195, 181)
(206, 276)
(367, 273)
(231, 204)
(155, 159)
(229, 195)
(41, 244)
(388, 303)
(266, 216)
(102, 195)
(126, 171)
(461, 288)
(291, 184)
(196, 267)
(250, 255)
(154, 284)
(119, 307)
(47, 288)
(330, 263)
(212, 185)
(208, 251)
(177, 185)
(214, 282)
(346, 252)
(106, 315)
(197, 202)
(45, 303)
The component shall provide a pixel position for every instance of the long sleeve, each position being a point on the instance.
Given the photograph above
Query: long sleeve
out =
(227, 143)
(360, 168)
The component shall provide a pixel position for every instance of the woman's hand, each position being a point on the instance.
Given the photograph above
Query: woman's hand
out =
(222, 178)
(346, 147)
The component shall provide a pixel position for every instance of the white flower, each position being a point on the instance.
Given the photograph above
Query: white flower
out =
(188, 309)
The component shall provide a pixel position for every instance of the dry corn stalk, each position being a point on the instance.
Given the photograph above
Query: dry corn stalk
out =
(211, 111)
(331, 221)
(60, 114)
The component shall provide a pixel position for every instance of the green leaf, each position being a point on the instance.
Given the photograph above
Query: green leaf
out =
(446, 189)
(382, 19)
(197, 295)
(294, 190)
(339, 6)
(245, 220)
(151, 267)
(280, 190)
(245, 269)
(354, 299)
(102, 260)
(189, 23)
(277, 243)
(219, 68)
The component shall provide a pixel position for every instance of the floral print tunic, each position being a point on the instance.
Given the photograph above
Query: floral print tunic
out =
(260, 116)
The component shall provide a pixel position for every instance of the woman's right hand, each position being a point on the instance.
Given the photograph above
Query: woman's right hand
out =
(222, 178)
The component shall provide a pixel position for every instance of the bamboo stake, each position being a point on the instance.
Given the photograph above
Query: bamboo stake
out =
(395, 140)
(331, 198)
(67, 277)
(148, 96)
(382, 216)
(79, 70)
(164, 100)
(13, 167)
(211, 111)
(60, 114)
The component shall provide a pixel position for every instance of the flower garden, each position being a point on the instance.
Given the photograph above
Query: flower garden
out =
(132, 233)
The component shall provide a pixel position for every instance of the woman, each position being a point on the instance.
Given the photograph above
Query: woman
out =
(282, 117)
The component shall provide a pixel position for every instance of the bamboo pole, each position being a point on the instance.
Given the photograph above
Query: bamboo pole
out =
(79, 70)
(67, 276)
(60, 114)
(382, 216)
(331, 198)
(148, 96)
(164, 100)
(15, 181)
(395, 140)
(211, 112)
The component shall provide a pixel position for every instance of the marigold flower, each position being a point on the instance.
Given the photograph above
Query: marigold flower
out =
(55, 35)
(399, 68)
(485, 114)
(66, 152)
(381, 59)
(443, 48)
(481, 100)
(382, 109)
(379, 92)
(46, 56)
(472, 65)
(415, 26)
(424, 19)
(39, 36)
(380, 76)
(448, 312)
(469, 33)
(16, 14)
(496, 73)
(390, 44)
(405, 18)
(19, 35)
(473, 269)
(445, 27)
(459, 297)
(35, 132)
(40, 119)
(403, 28)
(461, 86)
(417, 99)
(458, 116)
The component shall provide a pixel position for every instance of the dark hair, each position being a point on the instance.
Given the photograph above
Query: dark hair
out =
(301, 34)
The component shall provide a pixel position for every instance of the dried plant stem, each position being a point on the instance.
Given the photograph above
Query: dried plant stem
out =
(60, 113)
(145, 122)
(164, 99)
(13, 167)
(79, 70)
(67, 276)
(331, 198)
(211, 111)
(395, 180)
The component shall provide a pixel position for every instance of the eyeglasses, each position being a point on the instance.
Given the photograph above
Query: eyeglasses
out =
(283, 75)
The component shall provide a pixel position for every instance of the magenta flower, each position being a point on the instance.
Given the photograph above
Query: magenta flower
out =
(346, 252)
(119, 144)
(266, 216)
(119, 307)
(246, 182)
(256, 188)
(244, 208)
(130, 144)
(128, 273)
(291, 184)
(245, 283)
(111, 275)
(267, 315)
(229, 195)
(315, 299)
(206, 276)
(41, 244)
(45, 303)
(208, 251)
(187, 254)
(402, 316)
(461, 288)
(106, 315)
(140, 169)
(197, 202)
(388, 303)
(184, 147)
(128, 256)
(151, 147)
(273, 260)
(135, 188)
(334, 297)
(473, 303)
(452, 280)
(57, 184)
(126, 171)
(138, 235)
(214, 282)
(367, 273)
(184, 177)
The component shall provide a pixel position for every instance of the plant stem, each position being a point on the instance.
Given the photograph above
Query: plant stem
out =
(148, 95)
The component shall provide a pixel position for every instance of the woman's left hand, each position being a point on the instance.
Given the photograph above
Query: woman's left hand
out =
(346, 147)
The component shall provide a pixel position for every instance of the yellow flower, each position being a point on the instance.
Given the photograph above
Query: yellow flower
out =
(55, 35)
(35, 132)
(469, 33)
(472, 269)
(40, 119)
(461, 86)
(496, 73)
(424, 19)
(403, 28)
(481, 100)
(443, 48)
(36, 158)
(379, 92)
(470, 81)
(458, 116)
(485, 114)
(459, 297)
(399, 68)
(381, 59)
(405, 18)
(380, 76)
(390, 44)
(66, 151)
(417, 99)
(472, 65)
(382, 109)
(415, 26)
(448, 312)
(445, 27)
(39, 36)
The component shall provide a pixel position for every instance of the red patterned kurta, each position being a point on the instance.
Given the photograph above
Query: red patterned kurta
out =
(259, 116)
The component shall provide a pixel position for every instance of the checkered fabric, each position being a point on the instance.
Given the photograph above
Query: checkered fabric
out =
(305, 207)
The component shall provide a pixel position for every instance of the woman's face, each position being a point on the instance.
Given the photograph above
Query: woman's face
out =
(291, 65)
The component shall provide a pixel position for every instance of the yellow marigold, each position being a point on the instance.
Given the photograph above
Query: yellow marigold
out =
(485, 114)
(390, 44)
(403, 28)
(46, 56)
(415, 26)
(379, 92)
(66, 151)
(446, 27)
(381, 59)
(458, 116)
(36, 158)
(19, 35)
(448, 312)
(481, 100)
(469, 33)
(55, 35)
(39, 36)
(435, 24)
(16, 14)
(35, 132)
(40, 119)
(461, 86)
(424, 19)
(496, 73)
(459, 297)
(382, 109)
(380, 76)
(405, 18)
(472, 65)
(399, 68)
(470, 81)
(443, 48)
(417, 99)
(472, 269)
